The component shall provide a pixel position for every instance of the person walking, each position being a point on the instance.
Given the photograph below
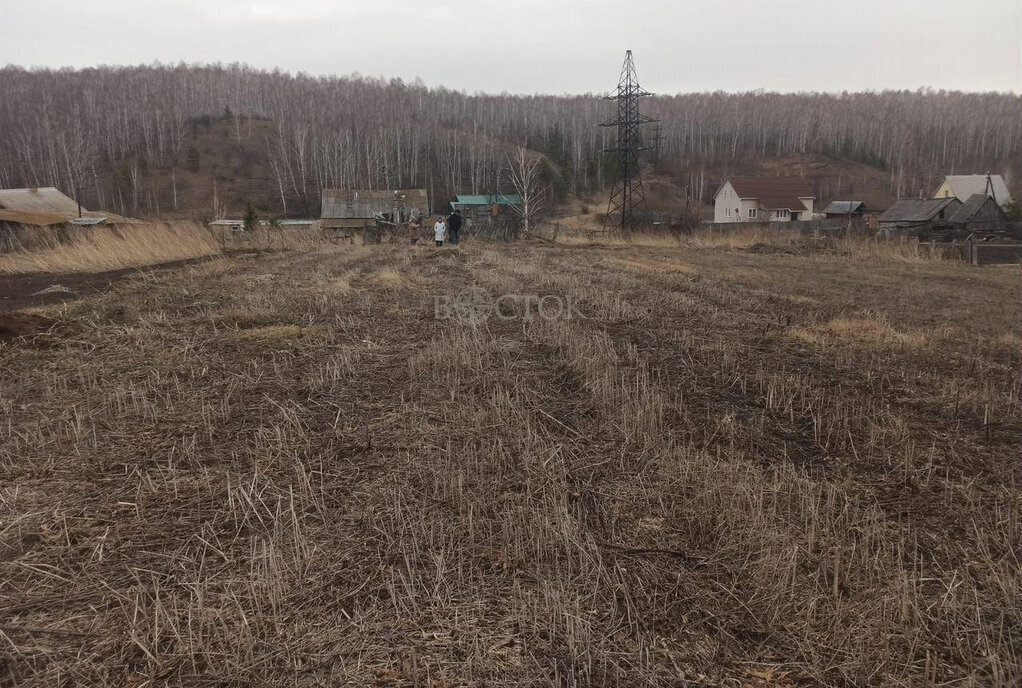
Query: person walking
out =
(440, 231)
(454, 226)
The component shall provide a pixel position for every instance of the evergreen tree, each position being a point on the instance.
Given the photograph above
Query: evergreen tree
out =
(193, 159)
(250, 218)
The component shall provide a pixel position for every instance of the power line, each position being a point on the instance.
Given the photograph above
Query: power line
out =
(627, 196)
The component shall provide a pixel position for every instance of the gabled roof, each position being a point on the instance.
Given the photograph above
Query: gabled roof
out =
(366, 203)
(912, 210)
(844, 207)
(488, 199)
(973, 205)
(965, 185)
(43, 199)
(773, 192)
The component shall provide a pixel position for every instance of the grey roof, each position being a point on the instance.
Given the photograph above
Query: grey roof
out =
(366, 203)
(42, 199)
(965, 185)
(972, 206)
(87, 221)
(844, 207)
(917, 210)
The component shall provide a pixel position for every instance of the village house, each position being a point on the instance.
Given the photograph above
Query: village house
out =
(46, 206)
(369, 208)
(763, 199)
(963, 186)
(38, 199)
(979, 212)
(482, 207)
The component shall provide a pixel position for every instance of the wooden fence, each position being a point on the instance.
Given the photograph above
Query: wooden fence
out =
(991, 253)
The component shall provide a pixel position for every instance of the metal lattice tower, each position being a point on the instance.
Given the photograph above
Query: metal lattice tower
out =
(627, 197)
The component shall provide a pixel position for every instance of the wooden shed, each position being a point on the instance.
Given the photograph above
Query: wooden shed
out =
(979, 212)
(368, 208)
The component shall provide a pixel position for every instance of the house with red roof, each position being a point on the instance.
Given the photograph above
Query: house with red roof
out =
(763, 199)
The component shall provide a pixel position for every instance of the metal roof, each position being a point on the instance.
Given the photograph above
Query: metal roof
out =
(912, 210)
(367, 203)
(42, 199)
(773, 193)
(965, 185)
(88, 221)
(488, 199)
(844, 207)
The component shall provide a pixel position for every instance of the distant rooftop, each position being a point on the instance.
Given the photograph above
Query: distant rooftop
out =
(87, 221)
(40, 199)
(965, 185)
(912, 210)
(487, 199)
(972, 206)
(367, 203)
(844, 207)
(774, 192)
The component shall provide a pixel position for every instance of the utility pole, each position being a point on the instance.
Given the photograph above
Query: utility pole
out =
(627, 196)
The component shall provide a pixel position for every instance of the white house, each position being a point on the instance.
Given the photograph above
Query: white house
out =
(763, 199)
(962, 186)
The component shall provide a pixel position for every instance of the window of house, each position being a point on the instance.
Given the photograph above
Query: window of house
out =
(782, 213)
(752, 213)
(727, 212)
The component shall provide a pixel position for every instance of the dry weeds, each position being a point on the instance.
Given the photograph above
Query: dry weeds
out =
(282, 470)
(105, 248)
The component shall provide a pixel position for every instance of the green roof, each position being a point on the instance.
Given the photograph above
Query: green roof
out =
(488, 199)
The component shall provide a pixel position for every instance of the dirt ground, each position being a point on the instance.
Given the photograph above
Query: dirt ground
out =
(341, 467)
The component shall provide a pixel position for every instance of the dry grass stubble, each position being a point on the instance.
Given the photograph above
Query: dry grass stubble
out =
(284, 470)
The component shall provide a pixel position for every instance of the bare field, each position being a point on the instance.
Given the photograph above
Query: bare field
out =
(744, 466)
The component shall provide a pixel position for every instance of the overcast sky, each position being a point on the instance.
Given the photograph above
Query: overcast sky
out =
(547, 46)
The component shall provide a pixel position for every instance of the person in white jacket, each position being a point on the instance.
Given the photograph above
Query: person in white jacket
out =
(440, 231)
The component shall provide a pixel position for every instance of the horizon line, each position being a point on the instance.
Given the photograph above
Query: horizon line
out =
(419, 82)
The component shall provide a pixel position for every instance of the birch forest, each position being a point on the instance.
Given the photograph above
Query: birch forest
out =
(124, 138)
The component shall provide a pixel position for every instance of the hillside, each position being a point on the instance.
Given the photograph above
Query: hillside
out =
(155, 141)
(230, 156)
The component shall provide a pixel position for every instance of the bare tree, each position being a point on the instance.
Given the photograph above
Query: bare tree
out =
(364, 132)
(528, 183)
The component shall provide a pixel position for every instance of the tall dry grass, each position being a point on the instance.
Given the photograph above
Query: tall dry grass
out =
(109, 248)
(852, 247)
(113, 248)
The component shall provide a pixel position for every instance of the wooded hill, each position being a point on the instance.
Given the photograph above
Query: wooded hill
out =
(202, 140)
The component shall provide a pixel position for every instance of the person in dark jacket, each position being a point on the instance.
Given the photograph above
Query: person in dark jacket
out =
(454, 226)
